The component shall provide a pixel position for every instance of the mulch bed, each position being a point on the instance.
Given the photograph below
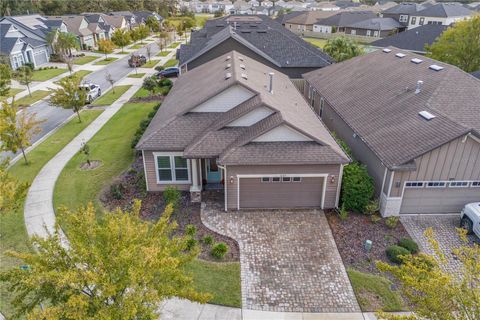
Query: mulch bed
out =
(132, 186)
(350, 236)
(154, 98)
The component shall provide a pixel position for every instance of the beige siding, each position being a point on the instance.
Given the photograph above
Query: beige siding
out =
(331, 188)
(151, 175)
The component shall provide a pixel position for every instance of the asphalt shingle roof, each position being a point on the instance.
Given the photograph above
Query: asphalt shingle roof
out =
(405, 8)
(346, 18)
(445, 10)
(376, 24)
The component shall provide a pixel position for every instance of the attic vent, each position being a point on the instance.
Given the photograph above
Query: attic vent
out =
(400, 55)
(228, 58)
(426, 115)
(416, 60)
(228, 65)
(435, 67)
(242, 66)
(228, 75)
(386, 50)
(244, 76)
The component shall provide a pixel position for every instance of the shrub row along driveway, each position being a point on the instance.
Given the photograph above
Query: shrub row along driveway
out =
(289, 260)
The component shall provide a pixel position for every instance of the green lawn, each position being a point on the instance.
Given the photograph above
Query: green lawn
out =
(170, 63)
(320, 43)
(105, 61)
(141, 93)
(29, 100)
(136, 46)
(124, 52)
(136, 75)
(12, 92)
(200, 19)
(150, 64)
(13, 233)
(110, 97)
(80, 73)
(174, 45)
(163, 53)
(44, 75)
(374, 292)
(222, 280)
(84, 59)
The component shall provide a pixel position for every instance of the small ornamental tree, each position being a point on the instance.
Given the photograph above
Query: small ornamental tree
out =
(153, 24)
(134, 35)
(106, 46)
(69, 95)
(148, 48)
(357, 187)
(150, 84)
(109, 78)
(12, 192)
(5, 79)
(143, 32)
(342, 48)
(121, 38)
(116, 266)
(24, 75)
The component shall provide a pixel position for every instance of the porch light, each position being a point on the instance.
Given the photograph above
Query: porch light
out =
(332, 179)
(232, 180)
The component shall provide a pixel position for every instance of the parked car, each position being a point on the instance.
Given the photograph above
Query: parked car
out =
(93, 91)
(470, 218)
(168, 72)
(137, 61)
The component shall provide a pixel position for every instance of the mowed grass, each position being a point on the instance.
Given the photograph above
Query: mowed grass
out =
(11, 92)
(111, 96)
(375, 292)
(13, 233)
(174, 45)
(81, 74)
(150, 64)
(136, 75)
(320, 43)
(84, 59)
(222, 280)
(29, 100)
(136, 46)
(200, 19)
(170, 63)
(105, 61)
(44, 75)
(141, 93)
(163, 53)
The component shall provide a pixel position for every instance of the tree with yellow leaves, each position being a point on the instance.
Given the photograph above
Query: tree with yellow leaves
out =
(116, 266)
(12, 192)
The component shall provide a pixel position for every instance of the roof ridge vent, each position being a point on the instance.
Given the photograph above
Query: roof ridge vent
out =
(435, 67)
(416, 60)
(228, 65)
(228, 58)
(242, 66)
(386, 50)
(244, 76)
(426, 115)
(228, 75)
(400, 55)
(240, 58)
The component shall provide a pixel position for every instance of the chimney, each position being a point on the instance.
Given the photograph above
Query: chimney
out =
(270, 87)
(418, 89)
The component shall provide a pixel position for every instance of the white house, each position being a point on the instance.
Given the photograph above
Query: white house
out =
(440, 13)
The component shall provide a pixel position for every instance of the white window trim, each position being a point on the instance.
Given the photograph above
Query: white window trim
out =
(472, 186)
(269, 179)
(296, 181)
(415, 187)
(172, 156)
(465, 186)
(435, 187)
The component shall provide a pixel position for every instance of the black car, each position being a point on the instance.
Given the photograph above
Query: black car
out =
(137, 61)
(168, 72)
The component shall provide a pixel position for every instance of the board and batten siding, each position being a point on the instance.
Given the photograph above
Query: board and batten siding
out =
(151, 175)
(331, 188)
(226, 100)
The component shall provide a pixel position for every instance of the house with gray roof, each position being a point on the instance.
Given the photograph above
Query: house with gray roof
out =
(258, 37)
(440, 13)
(339, 21)
(79, 26)
(413, 121)
(374, 27)
(402, 12)
(241, 126)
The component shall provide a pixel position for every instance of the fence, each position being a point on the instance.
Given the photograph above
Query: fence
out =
(321, 35)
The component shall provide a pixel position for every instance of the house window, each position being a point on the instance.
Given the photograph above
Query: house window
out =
(369, 33)
(286, 179)
(414, 20)
(422, 21)
(297, 179)
(415, 184)
(265, 179)
(353, 32)
(436, 184)
(172, 169)
(475, 184)
(403, 18)
(375, 33)
(458, 184)
(275, 179)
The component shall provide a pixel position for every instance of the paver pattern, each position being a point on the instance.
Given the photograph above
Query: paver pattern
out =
(289, 260)
(445, 232)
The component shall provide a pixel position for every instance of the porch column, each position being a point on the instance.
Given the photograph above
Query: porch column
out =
(195, 189)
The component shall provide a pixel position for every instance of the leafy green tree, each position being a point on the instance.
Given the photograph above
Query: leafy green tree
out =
(162, 41)
(434, 293)
(12, 192)
(5, 79)
(65, 42)
(357, 187)
(17, 128)
(69, 95)
(106, 46)
(134, 35)
(121, 38)
(115, 267)
(24, 75)
(342, 48)
(150, 84)
(153, 24)
(459, 45)
(143, 32)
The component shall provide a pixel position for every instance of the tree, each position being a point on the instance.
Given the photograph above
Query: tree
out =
(459, 45)
(12, 192)
(150, 84)
(65, 42)
(148, 48)
(17, 128)
(69, 95)
(5, 79)
(117, 266)
(85, 150)
(143, 32)
(134, 35)
(342, 48)
(121, 38)
(357, 187)
(162, 42)
(24, 75)
(106, 46)
(434, 293)
(69, 61)
(109, 78)
(153, 24)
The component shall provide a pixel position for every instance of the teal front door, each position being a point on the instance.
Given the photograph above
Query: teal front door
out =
(213, 171)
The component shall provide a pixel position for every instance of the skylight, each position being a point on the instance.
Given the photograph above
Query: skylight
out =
(426, 115)
(400, 55)
(386, 50)
(436, 67)
(416, 60)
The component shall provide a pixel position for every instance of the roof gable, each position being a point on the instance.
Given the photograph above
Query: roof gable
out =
(282, 133)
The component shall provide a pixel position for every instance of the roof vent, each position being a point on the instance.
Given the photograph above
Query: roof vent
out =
(435, 67)
(416, 60)
(244, 76)
(400, 55)
(240, 58)
(228, 75)
(426, 115)
(242, 66)
(270, 86)
(228, 58)
(228, 65)
(418, 89)
(386, 50)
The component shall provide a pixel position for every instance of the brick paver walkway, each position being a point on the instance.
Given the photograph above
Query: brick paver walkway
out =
(289, 260)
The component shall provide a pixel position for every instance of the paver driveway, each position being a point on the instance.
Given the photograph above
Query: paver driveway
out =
(289, 260)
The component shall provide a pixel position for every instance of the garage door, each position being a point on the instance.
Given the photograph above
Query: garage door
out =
(296, 193)
(438, 200)
(40, 58)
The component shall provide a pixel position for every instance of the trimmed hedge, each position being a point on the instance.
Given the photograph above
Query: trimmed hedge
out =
(143, 126)
(408, 244)
(357, 187)
(394, 252)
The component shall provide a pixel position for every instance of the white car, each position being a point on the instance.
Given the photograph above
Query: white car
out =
(470, 218)
(93, 91)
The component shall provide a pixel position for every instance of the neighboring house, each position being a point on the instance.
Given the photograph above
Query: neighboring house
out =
(258, 37)
(142, 16)
(440, 13)
(117, 22)
(375, 27)
(402, 12)
(129, 17)
(304, 22)
(99, 20)
(239, 126)
(339, 21)
(323, 6)
(23, 39)
(79, 26)
(283, 18)
(476, 74)
(344, 4)
(413, 40)
(413, 121)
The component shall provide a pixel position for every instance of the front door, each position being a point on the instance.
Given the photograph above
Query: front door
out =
(213, 171)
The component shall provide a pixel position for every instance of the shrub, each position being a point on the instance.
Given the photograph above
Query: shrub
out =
(375, 218)
(191, 244)
(190, 230)
(151, 114)
(159, 68)
(394, 252)
(30, 65)
(343, 213)
(357, 187)
(171, 196)
(391, 222)
(157, 106)
(165, 82)
(208, 240)
(408, 244)
(371, 207)
(117, 191)
(219, 250)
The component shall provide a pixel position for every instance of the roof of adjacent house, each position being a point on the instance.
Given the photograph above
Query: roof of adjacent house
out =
(145, 14)
(405, 8)
(414, 39)
(7, 43)
(476, 74)
(73, 24)
(376, 24)
(347, 4)
(375, 94)
(445, 10)
(34, 23)
(260, 34)
(206, 134)
(310, 17)
(346, 18)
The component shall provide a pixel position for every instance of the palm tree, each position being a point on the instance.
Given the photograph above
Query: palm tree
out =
(66, 41)
(342, 48)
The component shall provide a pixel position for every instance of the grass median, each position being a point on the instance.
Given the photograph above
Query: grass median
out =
(105, 61)
(29, 100)
(84, 59)
(111, 96)
(47, 74)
